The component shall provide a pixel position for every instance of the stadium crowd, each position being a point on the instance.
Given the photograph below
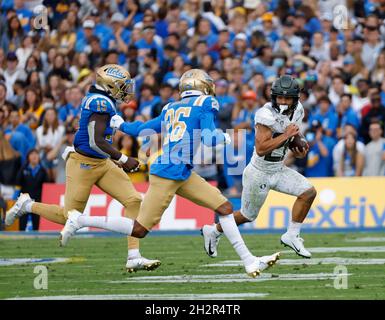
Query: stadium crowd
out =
(48, 59)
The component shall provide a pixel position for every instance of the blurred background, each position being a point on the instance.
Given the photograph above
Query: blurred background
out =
(49, 51)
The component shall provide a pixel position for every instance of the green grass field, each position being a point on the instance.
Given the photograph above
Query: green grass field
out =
(97, 268)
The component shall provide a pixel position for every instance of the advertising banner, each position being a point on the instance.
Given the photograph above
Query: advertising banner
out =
(340, 203)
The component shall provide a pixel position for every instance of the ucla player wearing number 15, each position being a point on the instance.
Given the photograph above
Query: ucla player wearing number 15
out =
(186, 123)
(89, 162)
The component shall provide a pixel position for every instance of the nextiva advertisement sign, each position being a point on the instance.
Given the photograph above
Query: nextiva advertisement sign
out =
(340, 203)
(347, 203)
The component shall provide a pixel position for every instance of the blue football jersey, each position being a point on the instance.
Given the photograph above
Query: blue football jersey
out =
(181, 124)
(84, 137)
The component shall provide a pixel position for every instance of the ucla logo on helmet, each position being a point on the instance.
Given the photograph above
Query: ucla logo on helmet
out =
(114, 72)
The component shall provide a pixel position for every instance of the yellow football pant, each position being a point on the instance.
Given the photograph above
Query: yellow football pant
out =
(82, 173)
(161, 191)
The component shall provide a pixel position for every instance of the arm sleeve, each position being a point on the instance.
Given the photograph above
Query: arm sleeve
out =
(211, 136)
(148, 128)
(131, 128)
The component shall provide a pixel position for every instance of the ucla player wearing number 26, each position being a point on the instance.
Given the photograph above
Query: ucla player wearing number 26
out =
(276, 123)
(186, 123)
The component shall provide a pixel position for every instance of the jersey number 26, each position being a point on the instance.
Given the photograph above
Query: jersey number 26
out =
(174, 126)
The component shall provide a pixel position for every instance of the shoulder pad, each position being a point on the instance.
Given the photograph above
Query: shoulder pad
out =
(264, 116)
(299, 113)
(100, 104)
(209, 103)
(165, 107)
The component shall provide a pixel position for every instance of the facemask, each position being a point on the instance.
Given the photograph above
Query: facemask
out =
(283, 108)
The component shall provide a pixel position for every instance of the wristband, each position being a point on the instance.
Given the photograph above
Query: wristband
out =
(123, 159)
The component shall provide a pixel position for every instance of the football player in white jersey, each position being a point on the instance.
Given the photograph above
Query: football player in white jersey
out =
(275, 123)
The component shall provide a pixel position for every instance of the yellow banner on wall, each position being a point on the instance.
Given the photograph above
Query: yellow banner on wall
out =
(340, 203)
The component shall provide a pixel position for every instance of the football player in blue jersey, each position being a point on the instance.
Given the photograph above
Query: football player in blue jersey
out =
(184, 124)
(91, 161)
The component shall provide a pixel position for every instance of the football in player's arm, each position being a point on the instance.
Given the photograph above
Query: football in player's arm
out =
(277, 125)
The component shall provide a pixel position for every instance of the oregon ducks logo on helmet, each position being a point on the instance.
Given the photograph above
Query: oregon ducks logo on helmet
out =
(196, 79)
(116, 81)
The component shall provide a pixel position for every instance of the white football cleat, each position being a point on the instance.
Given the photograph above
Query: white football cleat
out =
(141, 263)
(295, 243)
(18, 209)
(211, 240)
(70, 227)
(266, 262)
(261, 263)
(253, 269)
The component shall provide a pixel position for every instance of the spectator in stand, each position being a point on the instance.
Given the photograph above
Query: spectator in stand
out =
(319, 158)
(378, 73)
(346, 114)
(340, 146)
(49, 138)
(10, 163)
(373, 43)
(32, 109)
(338, 88)
(326, 115)
(375, 113)
(64, 38)
(12, 73)
(375, 151)
(226, 103)
(351, 163)
(244, 119)
(13, 37)
(165, 92)
(361, 100)
(72, 108)
(30, 179)
(15, 125)
(147, 101)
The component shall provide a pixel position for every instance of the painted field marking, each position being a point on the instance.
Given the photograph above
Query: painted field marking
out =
(225, 278)
(313, 261)
(22, 261)
(211, 296)
(367, 239)
(342, 249)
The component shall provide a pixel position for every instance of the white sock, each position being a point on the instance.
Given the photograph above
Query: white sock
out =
(28, 206)
(216, 232)
(231, 231)
(133, 253)
(294, 228)
(116, 224)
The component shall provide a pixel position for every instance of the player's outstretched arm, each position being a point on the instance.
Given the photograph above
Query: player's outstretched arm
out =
(150, 127)
(130, 128)
(211, 136)
(137, 128)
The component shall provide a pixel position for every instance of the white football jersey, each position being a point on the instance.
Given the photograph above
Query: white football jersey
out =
(277, 122)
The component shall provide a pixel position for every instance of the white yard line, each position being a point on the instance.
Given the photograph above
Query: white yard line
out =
(312, 261)
(225, 278)
(211, 296)
(342, 249)
(367, 239)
